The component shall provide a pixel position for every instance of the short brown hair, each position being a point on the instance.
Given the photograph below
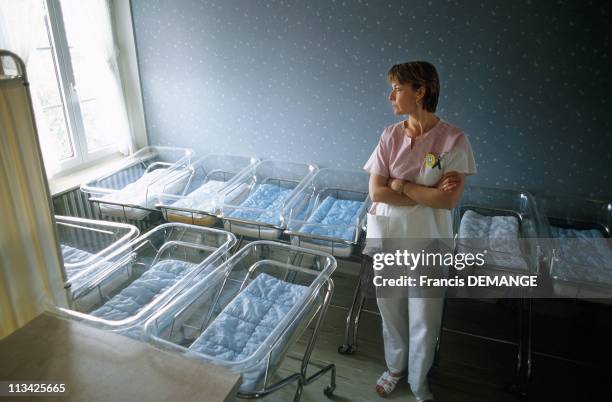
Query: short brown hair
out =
(418, 74)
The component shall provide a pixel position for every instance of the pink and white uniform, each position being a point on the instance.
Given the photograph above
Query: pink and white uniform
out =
(442, 149)
(411, 325)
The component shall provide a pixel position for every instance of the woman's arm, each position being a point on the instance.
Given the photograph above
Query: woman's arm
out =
(379, 192)
(444, 195)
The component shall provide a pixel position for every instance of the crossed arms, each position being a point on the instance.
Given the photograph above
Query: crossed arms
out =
(444, 195)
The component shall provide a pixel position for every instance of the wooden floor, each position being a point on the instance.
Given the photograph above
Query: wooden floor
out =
(470, 369)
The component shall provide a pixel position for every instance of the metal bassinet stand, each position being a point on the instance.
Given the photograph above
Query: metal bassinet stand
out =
(359, 296)
(314, 221)
(153, 215)
(521, 205)
(356, 308)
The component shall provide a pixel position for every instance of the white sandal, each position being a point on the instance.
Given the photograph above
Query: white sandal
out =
(387, 383)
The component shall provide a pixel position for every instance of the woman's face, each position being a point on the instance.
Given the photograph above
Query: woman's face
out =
(403, 98)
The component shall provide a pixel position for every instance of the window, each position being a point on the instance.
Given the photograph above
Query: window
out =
(74, 79)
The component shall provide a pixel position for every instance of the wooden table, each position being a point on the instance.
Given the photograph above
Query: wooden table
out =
(99, 365)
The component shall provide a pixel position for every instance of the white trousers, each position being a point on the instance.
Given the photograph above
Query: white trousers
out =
(410, 325)
(410, 332)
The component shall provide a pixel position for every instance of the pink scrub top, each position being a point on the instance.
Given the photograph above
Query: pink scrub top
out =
(442, 149)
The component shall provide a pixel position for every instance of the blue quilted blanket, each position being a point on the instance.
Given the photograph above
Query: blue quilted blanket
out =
(245, 323)
(133, 298)
(73, 256)
(565, 233)
(263, 204)
(497, 234)
(336, 218)
(584, 255)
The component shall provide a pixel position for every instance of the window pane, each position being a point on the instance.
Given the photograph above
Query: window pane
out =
(85, 75)
(43, 77)
(73, 12)
(46, 93)
(88, 32)
(39, 28)
(56, 123)
(85, 51)
(95, 136)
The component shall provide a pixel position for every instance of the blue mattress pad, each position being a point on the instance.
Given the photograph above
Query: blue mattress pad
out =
(587, 257)
(497, 234)
(263, 204)
(332, 214)
(72, 255)
(133, 298)
(247, 321)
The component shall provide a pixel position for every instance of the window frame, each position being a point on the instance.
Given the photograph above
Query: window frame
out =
(60, 51)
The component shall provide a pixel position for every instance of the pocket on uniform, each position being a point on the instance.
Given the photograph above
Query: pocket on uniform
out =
(432, 169)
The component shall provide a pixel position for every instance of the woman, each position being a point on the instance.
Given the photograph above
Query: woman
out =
(417, 175)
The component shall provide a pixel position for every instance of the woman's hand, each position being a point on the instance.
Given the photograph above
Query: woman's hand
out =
(396, 184)
(449, 181)
(380, 191)
(445, 194)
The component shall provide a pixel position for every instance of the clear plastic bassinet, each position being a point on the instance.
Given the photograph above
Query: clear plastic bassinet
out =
(246, 319)
(579, 245)
(254, 204)
(84, 242)
(504, 225)
(196, 203)
(131, 191)
(147, 272)
(329, 215)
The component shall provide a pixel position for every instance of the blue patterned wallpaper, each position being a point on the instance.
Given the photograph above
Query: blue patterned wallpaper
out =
(528, 81)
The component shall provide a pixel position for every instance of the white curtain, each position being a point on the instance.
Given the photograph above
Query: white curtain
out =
(31, 276)
(16, 33)
(17, 36)
(93, 17)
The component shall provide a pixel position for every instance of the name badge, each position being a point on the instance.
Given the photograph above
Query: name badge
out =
(432, 161)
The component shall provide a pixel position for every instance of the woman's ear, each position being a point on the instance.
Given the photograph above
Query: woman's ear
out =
(420, 93)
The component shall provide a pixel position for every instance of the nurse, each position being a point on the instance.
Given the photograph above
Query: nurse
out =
(417, 174)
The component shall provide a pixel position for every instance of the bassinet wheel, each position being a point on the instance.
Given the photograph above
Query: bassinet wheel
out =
(346, 349)
(329, 390)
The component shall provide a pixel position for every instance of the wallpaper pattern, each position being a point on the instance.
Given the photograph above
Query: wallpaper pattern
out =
(528, 81)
